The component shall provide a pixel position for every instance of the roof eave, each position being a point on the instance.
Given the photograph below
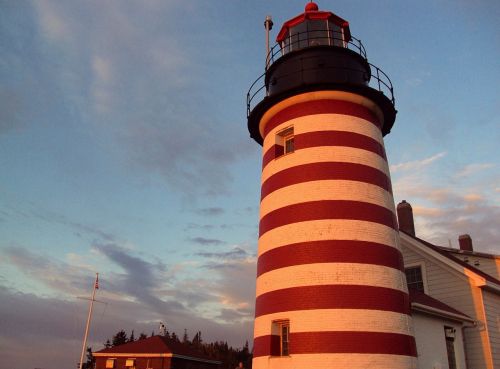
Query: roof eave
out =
(442, 313)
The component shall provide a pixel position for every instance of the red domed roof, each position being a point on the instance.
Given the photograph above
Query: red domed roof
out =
(311, 7)
(312, 13)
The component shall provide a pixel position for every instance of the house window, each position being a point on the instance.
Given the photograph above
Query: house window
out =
(449, 334)
(130, 364)
(110, 363)
(414, 278)
(285, 142)
(281, 340)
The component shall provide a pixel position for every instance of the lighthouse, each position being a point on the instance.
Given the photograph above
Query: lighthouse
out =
(331, 290)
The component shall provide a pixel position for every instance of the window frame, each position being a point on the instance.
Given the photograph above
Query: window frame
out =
(450, 347)
(282, 138)
(285, 325)
(279, 326)
(423, 272)
(288, 139)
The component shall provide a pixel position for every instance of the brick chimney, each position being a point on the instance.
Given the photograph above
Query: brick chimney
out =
(465, 242)
(405, 218)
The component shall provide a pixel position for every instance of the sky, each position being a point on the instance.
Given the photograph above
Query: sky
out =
(124, 151)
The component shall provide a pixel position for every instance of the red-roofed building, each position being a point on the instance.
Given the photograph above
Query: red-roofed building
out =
(155, 352)
(455, 300)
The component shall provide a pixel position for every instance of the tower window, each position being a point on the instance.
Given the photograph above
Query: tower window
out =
(281, 332)
(414, 278)
(285, 142)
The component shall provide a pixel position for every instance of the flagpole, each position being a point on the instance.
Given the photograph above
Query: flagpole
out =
(96, 286)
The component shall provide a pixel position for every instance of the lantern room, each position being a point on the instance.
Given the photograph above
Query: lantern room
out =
(315, 51)
(313, 28)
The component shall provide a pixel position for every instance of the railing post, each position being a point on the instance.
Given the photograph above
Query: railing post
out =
(378, 79)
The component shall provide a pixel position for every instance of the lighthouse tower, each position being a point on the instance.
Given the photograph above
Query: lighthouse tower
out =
(331, 289)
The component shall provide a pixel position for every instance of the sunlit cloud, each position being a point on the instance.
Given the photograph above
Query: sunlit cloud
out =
(471, 169)
(53, 24)
(416, 164)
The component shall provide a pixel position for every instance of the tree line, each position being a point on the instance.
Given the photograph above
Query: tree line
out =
(218, 350)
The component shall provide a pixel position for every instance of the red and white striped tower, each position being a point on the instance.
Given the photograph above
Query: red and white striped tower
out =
(331, 289)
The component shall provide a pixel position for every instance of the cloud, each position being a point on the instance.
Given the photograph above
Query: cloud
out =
(58, 275)
(476, 218)
(138, 295)
(213, 211)
(207, 241)
(10, 110)
(471, 169)
(140, 279)
(53, 24)
(452, 204)
(416, 164)
(80, 229)
(234, 254)
(138, 86)
(52, 328)
(206, 227)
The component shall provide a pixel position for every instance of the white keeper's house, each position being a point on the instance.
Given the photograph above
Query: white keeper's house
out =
(455, 300)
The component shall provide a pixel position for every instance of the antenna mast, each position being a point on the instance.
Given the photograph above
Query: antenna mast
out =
(96, 286)
(268, 23)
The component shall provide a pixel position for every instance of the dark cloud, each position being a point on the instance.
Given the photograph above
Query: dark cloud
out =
(214, 211)
(207, 241)
(80, 229)
(206, 227)
(141, 278)
(246, 211)
(234, 315)
(236, 253)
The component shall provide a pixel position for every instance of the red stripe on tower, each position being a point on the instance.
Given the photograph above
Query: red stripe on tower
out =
(330, 251)
(340, 342)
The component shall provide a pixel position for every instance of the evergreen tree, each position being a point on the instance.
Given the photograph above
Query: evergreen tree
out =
(174, 337)
(89, 364)
(132, 338)
(197, 341)
(119, 338)
(218, 350)
(142, 336)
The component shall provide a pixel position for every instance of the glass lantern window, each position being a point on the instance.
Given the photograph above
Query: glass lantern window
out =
(318, 32)
(336, 34)
(313, 33)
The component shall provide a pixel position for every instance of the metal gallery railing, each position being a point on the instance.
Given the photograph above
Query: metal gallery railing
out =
(379, 80)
